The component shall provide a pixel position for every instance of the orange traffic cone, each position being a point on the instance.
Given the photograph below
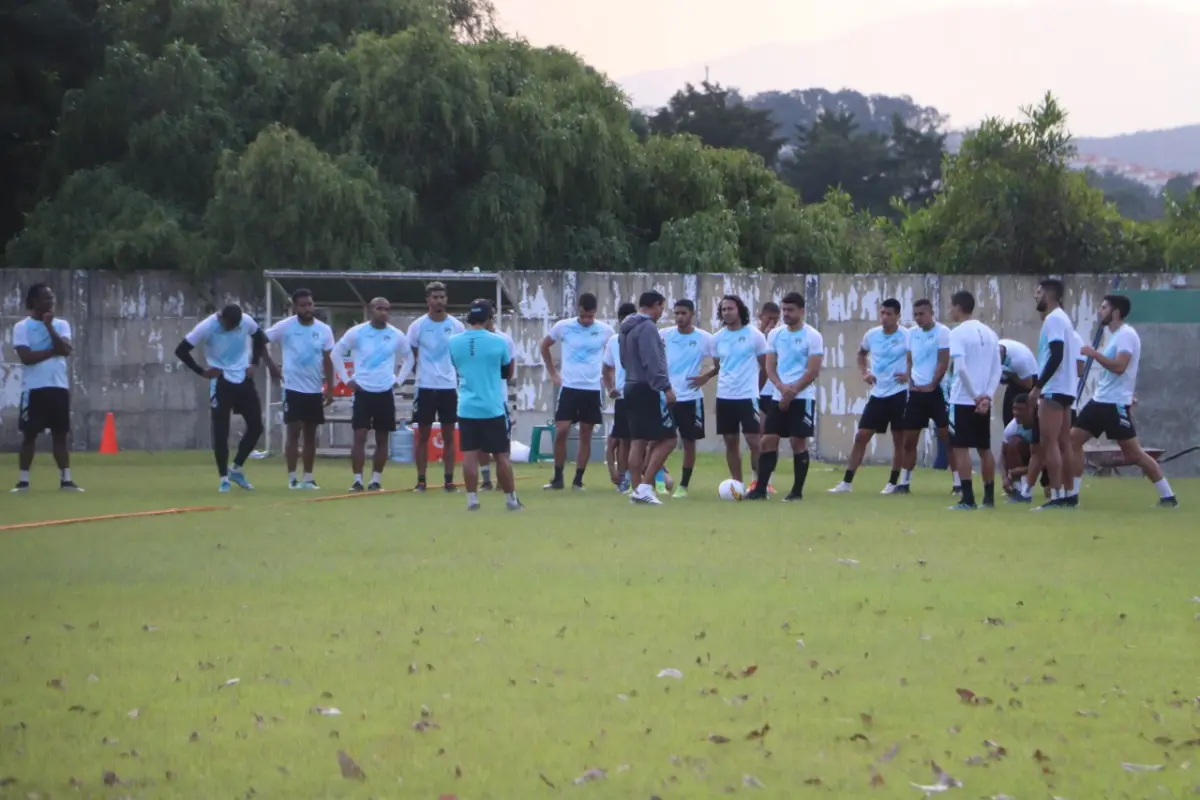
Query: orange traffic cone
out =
(108, 439)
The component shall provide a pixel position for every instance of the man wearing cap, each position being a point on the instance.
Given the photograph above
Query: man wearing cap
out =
(481, 359)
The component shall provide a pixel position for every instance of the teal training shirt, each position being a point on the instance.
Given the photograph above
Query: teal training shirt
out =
(478, 357)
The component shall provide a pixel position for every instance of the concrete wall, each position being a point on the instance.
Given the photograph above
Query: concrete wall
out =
(126, 328)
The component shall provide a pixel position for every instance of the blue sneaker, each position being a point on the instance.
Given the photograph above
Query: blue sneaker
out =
(223, 486)
(238, 478)
(309, 485)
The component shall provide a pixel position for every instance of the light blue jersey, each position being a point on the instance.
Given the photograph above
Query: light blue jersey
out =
(478, 357)
(1114, 388)
(374, 352)
(304, 348)
(926, 346)
(685, 354)
(792, 350)
(582, 352)
(612, 358)
(430, 339)
(738, 352)
(228, 351)
(889, 355)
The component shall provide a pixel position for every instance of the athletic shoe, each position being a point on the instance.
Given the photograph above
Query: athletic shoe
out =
(754, 495)
(889, 489)
(988, 504)
(513, 505)
(554, 486)
(680, 493)
(449, 488)
(295, 484)
(1057, 502)
(310, 485)
(624, 487)
(1071, 501)
(577, 487)
(793, 497)
(660, 487)
(374, 486)
(238, 478)
(357, 487)
(842, 488)
(964, 507)
(69, 486)
(487, 486)
(22, 486)
(955, 490)
(649, 499)
(902, 488)
(1166, 502)
(223, 486)
(1018, 498)
(420, 487)
(472, 504)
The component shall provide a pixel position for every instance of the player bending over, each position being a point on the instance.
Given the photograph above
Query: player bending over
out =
(1107, 413)
(1017, 447)
(928, 360)
(233, 346)
(687, 346)
(975, 349)
(484, 362)
(794, 356)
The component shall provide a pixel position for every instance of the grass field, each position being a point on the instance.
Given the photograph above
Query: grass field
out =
(828, 650)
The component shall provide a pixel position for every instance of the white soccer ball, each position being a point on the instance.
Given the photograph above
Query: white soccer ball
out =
(731, 489)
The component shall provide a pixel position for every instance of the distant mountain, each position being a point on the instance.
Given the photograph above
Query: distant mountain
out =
(1171, 150)
(872, 114)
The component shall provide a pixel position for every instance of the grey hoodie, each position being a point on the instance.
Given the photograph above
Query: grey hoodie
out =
(643, 354)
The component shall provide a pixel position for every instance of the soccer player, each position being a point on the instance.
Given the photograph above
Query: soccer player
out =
(435, 398)
(886, 345)
(1107, 413)
(975, 349)
(687, 347)
(307, 382)
(928, 360)
(43, 344)
(1054, 391)
(373, 346)
(648, 396)
(485, 460)
(483, 361)
(233, 346)
(1017, 448)
(739, 352)
(1020, 368)
(582, 341)
(768, 320)
(794, 356)
(613, 376)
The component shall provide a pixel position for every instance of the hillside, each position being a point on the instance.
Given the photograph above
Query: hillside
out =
(1171, 150)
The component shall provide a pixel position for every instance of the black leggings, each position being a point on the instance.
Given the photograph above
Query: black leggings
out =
(229, 399)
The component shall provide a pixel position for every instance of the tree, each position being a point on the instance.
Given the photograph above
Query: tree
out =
(719, 118)
(1132, 199)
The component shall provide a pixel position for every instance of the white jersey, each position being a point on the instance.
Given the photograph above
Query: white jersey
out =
(304, 348)
(924, 347)
(1119, 389)
(685, 355)
(431, 341)
(373, 351)
(1075, 360)
(612, 358)
(738, 351)
(888, 354)
(792, 351)
(1015, 432)
(1019, 361)
(228, 351)
(48, 374)
(978, 348)
(1057, 327)
(582, 352)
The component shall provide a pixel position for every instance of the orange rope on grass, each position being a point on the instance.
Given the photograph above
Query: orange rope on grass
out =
(105, 517)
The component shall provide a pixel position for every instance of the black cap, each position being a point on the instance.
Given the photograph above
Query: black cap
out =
(480, 313)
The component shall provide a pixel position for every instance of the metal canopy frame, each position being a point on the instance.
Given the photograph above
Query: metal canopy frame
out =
(354, 290)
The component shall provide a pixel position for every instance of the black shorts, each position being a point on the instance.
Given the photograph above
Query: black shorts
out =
(1064, 400)
(765, 401)
(48, 408)
(306, 408)
(736, 416)
(884, 412)
(237, 398)
(373, 411)
(970, 430)
(620, 421)
(650, 419)
(798, 421)
(579, 405)
(689, 419)
(439, 403)
(491, 436)
(922, 408)
(1108, 419)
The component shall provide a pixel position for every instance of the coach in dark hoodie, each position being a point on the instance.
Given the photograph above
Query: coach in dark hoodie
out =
(648, 396)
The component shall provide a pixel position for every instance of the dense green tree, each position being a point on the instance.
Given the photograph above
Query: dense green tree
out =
(1133, 200)
(720, 119)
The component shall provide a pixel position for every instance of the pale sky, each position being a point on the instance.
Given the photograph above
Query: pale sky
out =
(624, 38)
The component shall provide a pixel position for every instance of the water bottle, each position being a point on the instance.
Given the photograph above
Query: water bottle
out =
(402, 445)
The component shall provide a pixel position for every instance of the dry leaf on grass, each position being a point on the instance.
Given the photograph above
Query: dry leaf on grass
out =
(350, 770)
(717, 738)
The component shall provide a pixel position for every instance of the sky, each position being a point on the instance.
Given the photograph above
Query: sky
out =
(628, 38)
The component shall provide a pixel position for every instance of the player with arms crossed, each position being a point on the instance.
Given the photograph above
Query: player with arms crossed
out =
(1054, 391)
(485, 468)
(794, 356)
(975, 349)
(687, 346)
(886, 347)
(306, 343)
(372, 347)
(928, 360)
(43, 344)
(435, 398)
(648, 396)
(613, 377)
(233, 346)
(483, 362)
(1107, 413)
(582, 341)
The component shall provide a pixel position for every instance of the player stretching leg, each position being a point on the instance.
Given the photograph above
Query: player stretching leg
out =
(928, 360)
(648, 395)
(485, 460)
(233, 345)
(582, 341)
(975, 349)
(43, 344)
(435, 398)
(479, 357)
(1107, 412)
(1054, 391)
(307, 382)
(613, 377)
(372, 348)
(794, 356)
(687, 346)
(886, 345)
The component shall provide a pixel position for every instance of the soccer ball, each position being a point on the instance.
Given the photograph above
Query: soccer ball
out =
(731, 489)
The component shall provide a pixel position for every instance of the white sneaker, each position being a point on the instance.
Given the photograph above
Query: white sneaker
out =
(842, 488)
(645, 497)
(888, 489)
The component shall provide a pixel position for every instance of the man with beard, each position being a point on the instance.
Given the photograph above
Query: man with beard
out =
(928, 360)
(436, 394)
(1054, 392)
(687, 346)
(975, 349)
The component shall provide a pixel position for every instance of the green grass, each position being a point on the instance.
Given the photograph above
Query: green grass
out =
(534, 641)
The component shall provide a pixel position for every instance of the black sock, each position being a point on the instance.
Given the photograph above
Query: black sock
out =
(894, 478)
(420, 477)
(558, 474)
(686, 478)
(449, 477)
(968, 493)
(849, 476)
(766, 465)
(989, 493)
(1045, 479)
(800, 465)
(578, 476)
